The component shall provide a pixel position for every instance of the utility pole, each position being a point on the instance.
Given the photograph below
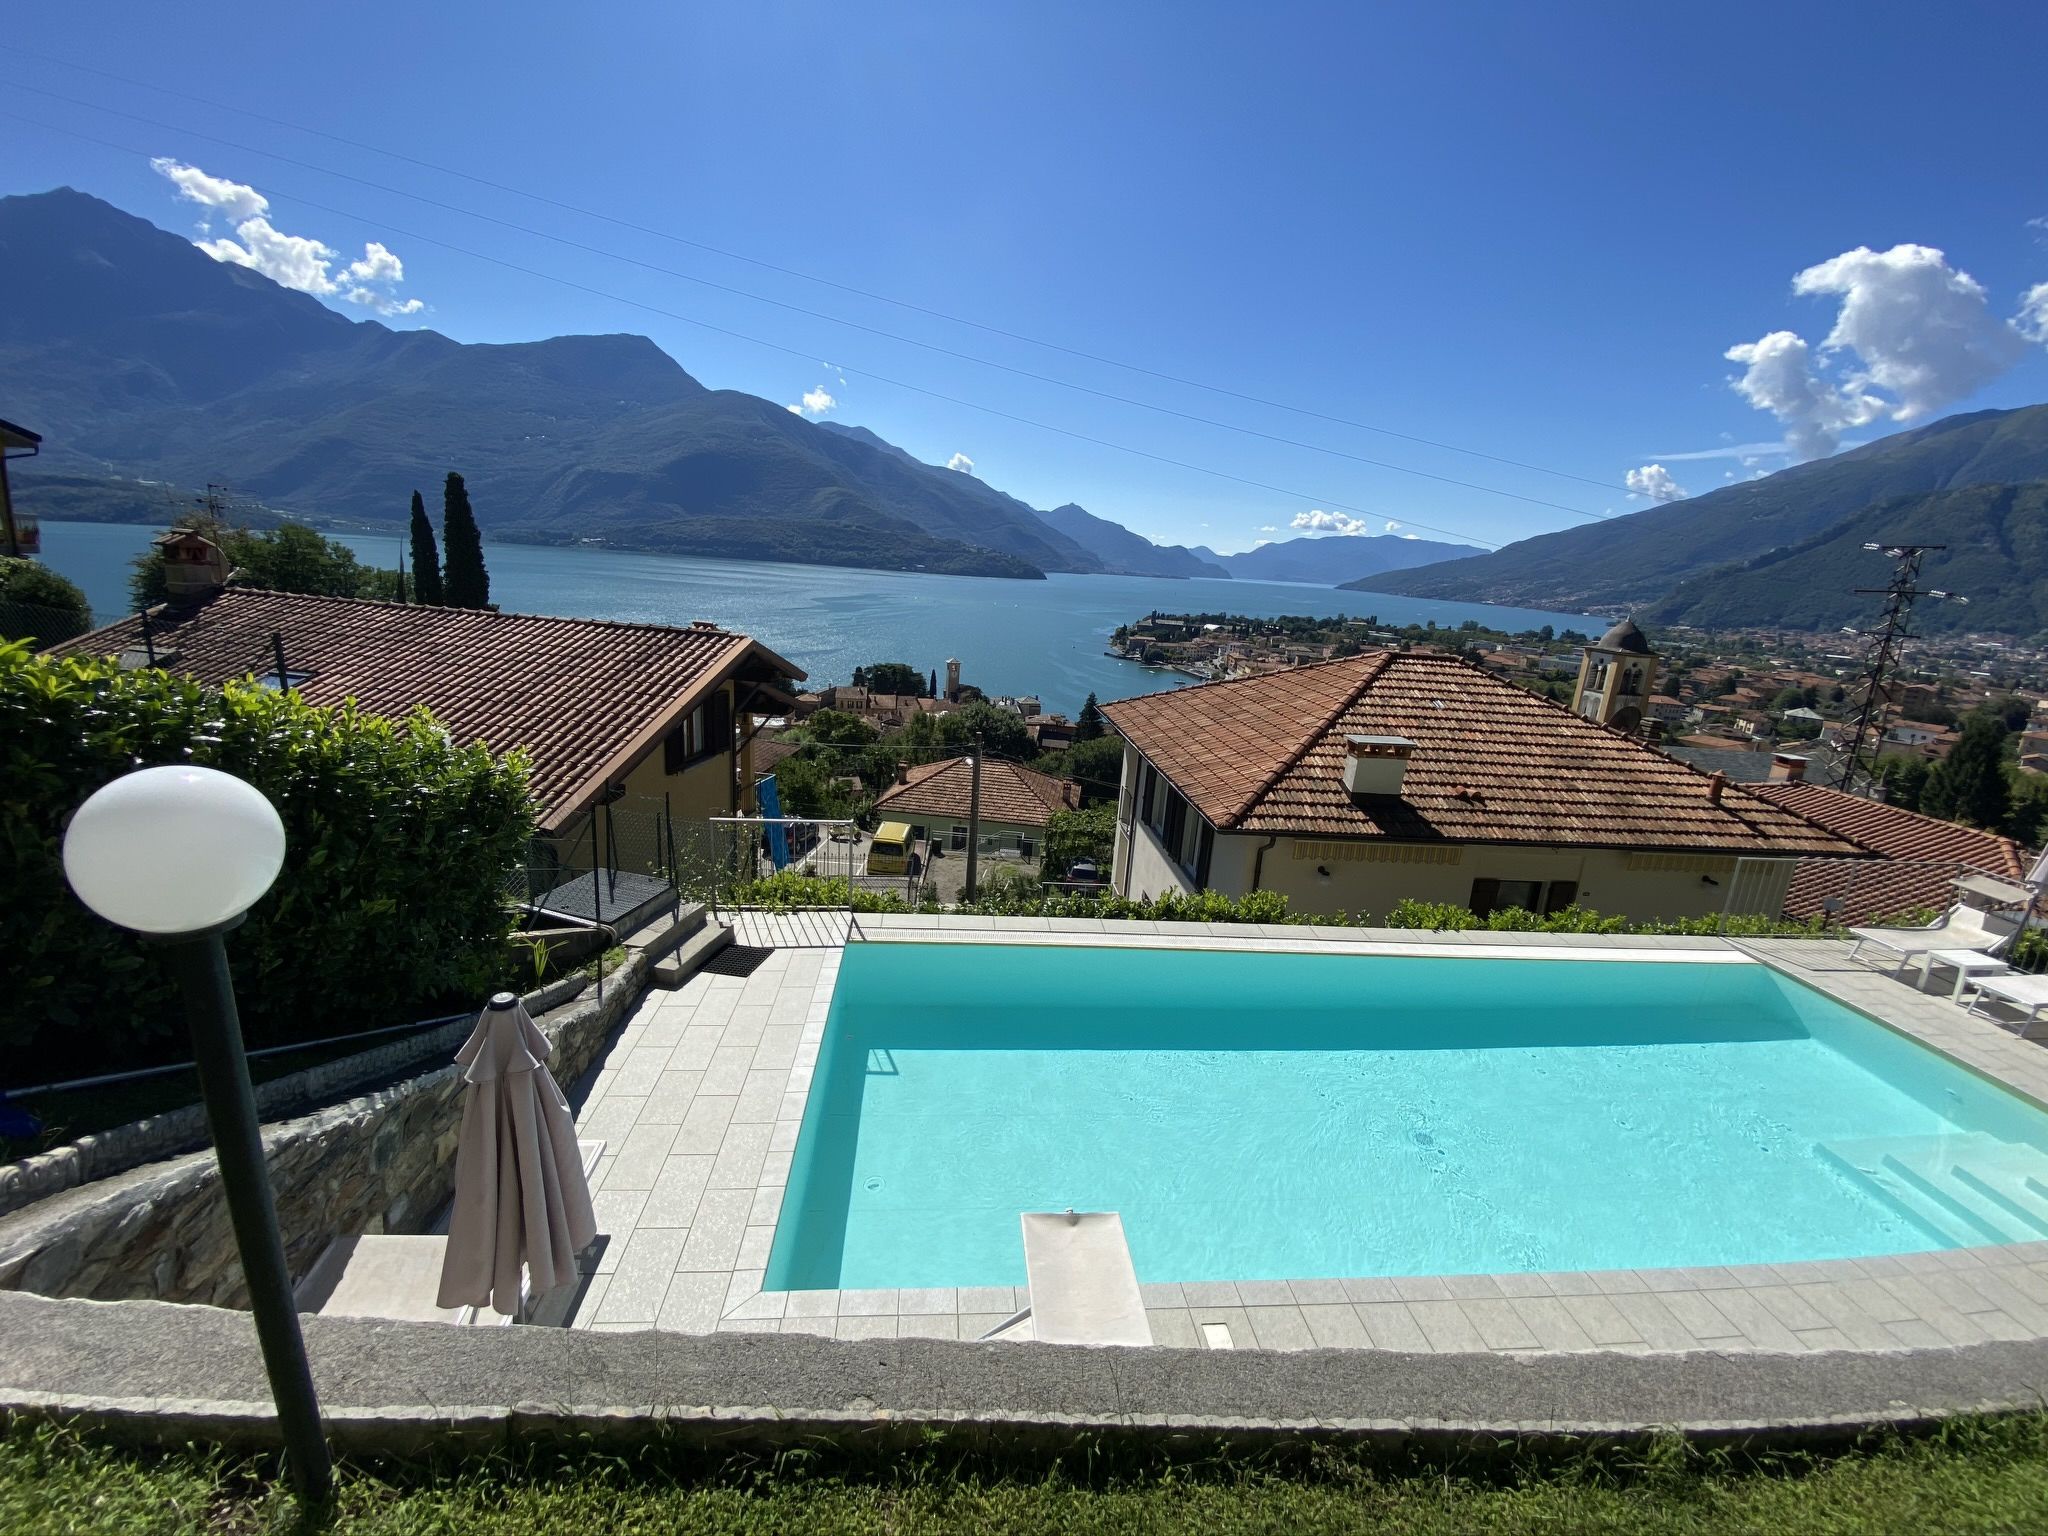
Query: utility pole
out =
(974, 818)
(1899, 595)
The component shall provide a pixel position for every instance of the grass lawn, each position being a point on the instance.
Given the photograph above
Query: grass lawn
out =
(1989, 1476)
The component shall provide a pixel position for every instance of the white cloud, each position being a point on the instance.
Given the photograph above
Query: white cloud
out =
(377, 265)
(815, 402)
(794, 410)
(1655, 482)
(961, 462)
(297, 262)
(1392, 526)
(1779, 377)
(2032, 320)
(1319, 521)
(1263, 528)
(195, 186)
(1912, 336)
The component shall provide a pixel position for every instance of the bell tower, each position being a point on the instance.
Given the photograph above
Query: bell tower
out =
(1617, 675)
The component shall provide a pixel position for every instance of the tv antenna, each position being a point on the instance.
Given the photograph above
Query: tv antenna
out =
(1887, 645)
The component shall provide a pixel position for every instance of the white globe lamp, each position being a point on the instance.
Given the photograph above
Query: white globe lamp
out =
(178, 854)
(178, 850)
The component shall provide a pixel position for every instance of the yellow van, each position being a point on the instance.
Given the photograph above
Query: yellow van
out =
(890, 852)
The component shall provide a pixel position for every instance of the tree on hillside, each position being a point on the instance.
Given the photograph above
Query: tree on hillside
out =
(1085, 834)
(1097, 766)
(426, 558)
(1904, 780)
(895, 677)
(1969, 785)
(1089, 727)
(467, 584)
(288, 558)
(839, 728)
(1002, 733)
(38, 605)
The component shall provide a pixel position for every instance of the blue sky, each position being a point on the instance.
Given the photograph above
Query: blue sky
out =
(1533, 231)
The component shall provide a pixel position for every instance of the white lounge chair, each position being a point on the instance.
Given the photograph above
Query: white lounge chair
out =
(1961, 927)
(2029, 994)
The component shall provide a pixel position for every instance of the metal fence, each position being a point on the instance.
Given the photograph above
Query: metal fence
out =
(615, 866)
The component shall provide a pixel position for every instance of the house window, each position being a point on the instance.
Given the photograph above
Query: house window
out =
(1490, 896)
(705, 732)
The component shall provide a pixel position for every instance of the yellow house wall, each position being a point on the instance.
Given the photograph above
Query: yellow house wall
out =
(1368, 878)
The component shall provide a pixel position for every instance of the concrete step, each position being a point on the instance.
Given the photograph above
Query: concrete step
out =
(1966, 1189)
(683, 962)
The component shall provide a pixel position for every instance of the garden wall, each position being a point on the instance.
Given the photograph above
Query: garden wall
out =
(383, 1162)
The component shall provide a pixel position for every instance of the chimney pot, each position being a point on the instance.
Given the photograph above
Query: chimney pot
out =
(1376, 765)
(1716, 782)
(902, 772)
(1787, 767)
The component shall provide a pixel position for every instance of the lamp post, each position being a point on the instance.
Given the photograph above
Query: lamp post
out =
(178, 855)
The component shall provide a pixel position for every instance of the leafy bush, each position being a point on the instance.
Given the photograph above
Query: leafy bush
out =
(789, 890)
(1443, 915)
(1071, 835)
(1169, 907)
(390, 902)
(38, 605)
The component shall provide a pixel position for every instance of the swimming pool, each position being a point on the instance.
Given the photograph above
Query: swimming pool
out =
(1258, 1115)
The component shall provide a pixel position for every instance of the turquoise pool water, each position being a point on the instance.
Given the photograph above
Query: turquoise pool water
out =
(1277, 1116)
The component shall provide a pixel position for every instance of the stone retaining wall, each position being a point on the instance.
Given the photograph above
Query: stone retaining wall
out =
(383, 1162)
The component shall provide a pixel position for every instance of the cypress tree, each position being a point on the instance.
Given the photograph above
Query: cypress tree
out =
(931, 690)
(1089, 727)
(466, 584)
(426, 558)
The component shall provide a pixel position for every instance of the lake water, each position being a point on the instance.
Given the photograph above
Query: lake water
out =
(1043, 637)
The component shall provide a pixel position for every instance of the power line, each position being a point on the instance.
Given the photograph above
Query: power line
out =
(815, 314)
(879, 378)
(810, 277)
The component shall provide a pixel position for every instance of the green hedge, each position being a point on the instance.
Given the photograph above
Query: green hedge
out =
(390, 904)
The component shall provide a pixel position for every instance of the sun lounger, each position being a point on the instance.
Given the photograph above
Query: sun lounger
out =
(1961, 927)
(2029, 994)
(1084, 1289)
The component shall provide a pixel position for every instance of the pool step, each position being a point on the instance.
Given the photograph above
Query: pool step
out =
(1966, 1189)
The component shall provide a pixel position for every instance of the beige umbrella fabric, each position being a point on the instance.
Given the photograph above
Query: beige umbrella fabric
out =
(520, 1194)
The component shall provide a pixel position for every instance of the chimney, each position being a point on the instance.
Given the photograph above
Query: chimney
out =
(902, 772)
(1787, 767)
(1716, 782)
(194, 566)
(1376, 765)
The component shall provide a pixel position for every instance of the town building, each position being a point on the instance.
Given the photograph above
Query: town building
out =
(602, 709)
(1352, 784)
(1617, 677)
(935, 799)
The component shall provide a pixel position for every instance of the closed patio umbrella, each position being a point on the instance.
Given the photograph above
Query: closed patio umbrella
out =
(520, 1193)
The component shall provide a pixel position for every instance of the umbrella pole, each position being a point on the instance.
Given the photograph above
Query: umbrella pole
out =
(202, 966)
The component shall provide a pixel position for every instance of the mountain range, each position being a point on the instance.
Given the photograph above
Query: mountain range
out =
(1334, 559)
(147, 365)
(1787, 548)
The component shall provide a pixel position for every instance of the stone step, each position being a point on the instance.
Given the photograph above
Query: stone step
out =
(1965, 1189)
(688, 958)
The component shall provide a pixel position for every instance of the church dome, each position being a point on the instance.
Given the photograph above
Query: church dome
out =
(1625, 637)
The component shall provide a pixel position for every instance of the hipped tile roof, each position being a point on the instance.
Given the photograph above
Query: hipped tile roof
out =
(1492, 763)
(586, 698)
(1010, 792)
(1922, 856)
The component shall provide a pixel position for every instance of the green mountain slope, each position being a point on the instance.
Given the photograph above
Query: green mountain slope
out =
(1997, 557)
(1639, 557)
(138, 357)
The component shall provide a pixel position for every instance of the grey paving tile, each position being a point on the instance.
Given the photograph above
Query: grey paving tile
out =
(609, 1120)
(1522, 1285)
(1157, 1295)
(1788, 1307)
(812, 1304)
(672, 1202)
(1207, 1293)
(927, 1302)
(1172, 1327)
(1553, 1326)
(767, 1207)
(1317, 1292)
(1653, 1322)
(1499, 1325)
(1757, 1323)
(872, 1303)
(703, 1128)
(693, 1303)
(928, 1325)
(1473, 1288)
(755, 1246)
(1264, 1293)
(741, 1157)
(640, 1158)
(1279, 1327)
(1601, 1320)
(1445, 1325)
(640, 1279)
(778, 1044)
(1335, 1325)
(727, 1073)
(760, 1304)
(1000, 1299)
(1421, 1288)
(694, 1051)
(1374, 1288)
(618, 1212)
(974, 1325)
(1233, 1318)
(866, 1326)
(714, 1242)
(670, 1099)
(760, 1097)
(1833, 1300)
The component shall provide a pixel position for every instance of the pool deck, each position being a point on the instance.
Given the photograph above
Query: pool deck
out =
(701, 1097)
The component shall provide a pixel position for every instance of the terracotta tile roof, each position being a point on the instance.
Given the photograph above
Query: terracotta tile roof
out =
(1926, 855)
(1010, 792)
(587, 698)
(1493, 763)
